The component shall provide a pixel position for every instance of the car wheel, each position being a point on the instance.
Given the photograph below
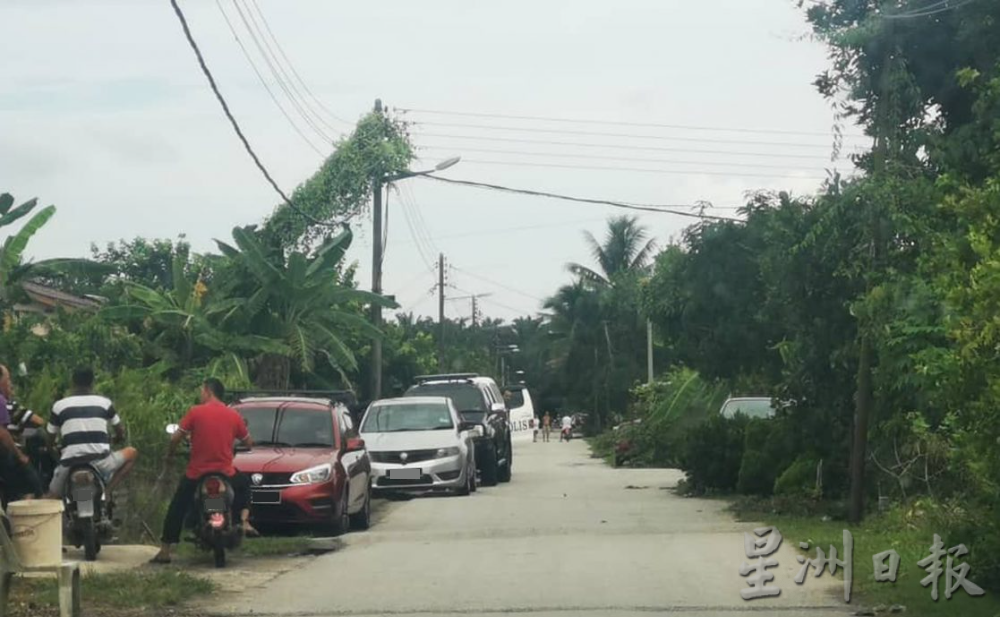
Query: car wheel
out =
(490, 467)
(505, 472)
(363, 519)
(342, 524)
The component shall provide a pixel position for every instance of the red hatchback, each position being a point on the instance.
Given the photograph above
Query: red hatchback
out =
(307, 466)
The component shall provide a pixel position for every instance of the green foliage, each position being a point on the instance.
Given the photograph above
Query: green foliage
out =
(379, 147)
(799, 479)
(714, 453)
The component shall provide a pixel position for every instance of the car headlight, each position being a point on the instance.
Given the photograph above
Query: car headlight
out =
(313, 475)
(446, 452)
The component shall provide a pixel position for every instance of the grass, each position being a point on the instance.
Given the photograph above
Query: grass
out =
(119, 592)
(902, 530)
(270, 546)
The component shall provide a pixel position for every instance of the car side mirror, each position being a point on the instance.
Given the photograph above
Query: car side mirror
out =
(355, 444)
(465, 425)
(498, 408)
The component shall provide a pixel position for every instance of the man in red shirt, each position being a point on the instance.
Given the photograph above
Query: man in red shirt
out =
(212, 428)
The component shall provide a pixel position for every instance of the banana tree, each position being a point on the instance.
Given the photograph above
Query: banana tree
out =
(301, 304)
(13, 269)
(185, 317)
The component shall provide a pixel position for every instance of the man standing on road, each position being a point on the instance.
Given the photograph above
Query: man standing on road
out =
(212, 427)
(546, 426)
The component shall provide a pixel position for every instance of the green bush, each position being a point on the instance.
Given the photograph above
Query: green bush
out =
(799, 479)
(762, 456)
(713, 454)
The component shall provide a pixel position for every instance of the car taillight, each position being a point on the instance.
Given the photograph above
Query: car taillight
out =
(214, 487)
(217, 521)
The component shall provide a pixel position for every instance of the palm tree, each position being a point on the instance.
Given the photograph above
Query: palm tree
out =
(625, 250)
(13, 269)
(301, 304)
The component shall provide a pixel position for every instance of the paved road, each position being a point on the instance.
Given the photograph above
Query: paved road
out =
(568, 536)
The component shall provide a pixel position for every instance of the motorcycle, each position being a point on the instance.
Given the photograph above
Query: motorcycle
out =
(566, 434)
(88, 510)
(214, 525)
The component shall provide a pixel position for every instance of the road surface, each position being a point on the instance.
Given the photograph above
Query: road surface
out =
(568, 536)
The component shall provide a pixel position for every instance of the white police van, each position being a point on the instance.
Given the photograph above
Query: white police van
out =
(521, 411)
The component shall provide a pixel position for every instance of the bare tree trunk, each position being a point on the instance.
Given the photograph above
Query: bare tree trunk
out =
(273, 372)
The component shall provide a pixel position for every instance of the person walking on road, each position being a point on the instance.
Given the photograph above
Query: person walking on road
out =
(546, 426)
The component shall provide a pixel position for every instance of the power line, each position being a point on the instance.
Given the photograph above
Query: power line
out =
(236, 126)
(501, 285)
(619, 123)
(622, 158)
(278, 71)
(692, 172)
(263, 82)
(672, 209)
(619, 135)
(626, 147)
(936, 8)
(298, 77)
(506, 306)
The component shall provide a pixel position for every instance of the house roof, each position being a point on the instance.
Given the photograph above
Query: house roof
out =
(49, 296)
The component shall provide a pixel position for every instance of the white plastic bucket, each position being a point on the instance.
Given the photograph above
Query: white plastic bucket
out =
(36, 529)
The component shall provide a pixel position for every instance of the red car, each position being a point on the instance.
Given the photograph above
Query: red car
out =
(308, 465)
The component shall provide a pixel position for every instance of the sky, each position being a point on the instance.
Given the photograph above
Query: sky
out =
(105, 113)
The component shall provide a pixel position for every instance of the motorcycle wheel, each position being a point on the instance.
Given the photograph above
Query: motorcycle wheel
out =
(91, 545)
(219, 552)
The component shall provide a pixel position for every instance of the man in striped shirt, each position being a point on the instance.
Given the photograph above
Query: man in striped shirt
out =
(82, 420)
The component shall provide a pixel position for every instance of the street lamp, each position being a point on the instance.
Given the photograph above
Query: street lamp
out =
(503, 352)
(377, 183)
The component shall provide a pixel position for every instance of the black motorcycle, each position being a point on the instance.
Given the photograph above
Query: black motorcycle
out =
(214, 525)
(88, 510)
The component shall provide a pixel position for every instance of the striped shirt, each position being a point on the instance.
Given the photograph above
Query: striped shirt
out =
(82, 423)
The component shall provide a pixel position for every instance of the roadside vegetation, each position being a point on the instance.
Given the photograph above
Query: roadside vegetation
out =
(114, 594)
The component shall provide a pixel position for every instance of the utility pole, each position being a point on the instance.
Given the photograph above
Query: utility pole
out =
(376, 390)
(864, 398)
(474, 310)
(441, 311)
(649, 351)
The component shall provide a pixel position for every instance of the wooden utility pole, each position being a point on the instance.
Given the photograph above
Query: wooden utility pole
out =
(441, 311)
(863, 397)
(376, 367)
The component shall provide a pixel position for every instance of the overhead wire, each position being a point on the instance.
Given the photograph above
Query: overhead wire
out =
(295, 73)
(516, 129)
(471, 114)
(936, 8)
(692, 172)
(622, 146)
(622, 158)
(236, 127)
(277, 71)
(263, 82)
(661, 209)
(497, 284)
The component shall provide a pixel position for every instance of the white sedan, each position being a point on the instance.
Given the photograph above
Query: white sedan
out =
(419, 444)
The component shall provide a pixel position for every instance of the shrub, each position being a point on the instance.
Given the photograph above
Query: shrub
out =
(713, 453)
(799, 479)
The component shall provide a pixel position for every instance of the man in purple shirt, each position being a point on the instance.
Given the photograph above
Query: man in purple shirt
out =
(20, 480)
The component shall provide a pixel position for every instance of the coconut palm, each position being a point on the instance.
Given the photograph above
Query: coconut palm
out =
(625, 249)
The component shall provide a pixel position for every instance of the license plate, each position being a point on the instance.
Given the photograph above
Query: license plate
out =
(215, 504)
(85, 508)
(83, 493)
(265, 497)
(408, 473)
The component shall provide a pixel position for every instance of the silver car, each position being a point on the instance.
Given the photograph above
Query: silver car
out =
(419, 444)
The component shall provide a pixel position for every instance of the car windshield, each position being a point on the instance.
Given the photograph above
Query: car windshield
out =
(752, 408)
(464, 396)
(514, 398)
(398, 417)
(299, 427)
